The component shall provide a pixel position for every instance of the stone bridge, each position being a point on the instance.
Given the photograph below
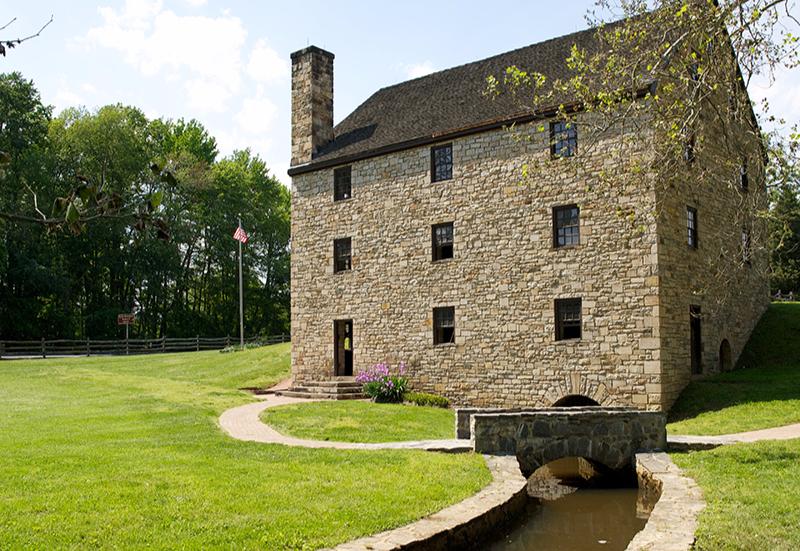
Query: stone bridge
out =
(608, 436)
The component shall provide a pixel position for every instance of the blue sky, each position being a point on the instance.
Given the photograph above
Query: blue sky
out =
(226, 63)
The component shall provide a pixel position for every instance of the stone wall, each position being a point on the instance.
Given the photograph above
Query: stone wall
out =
(731, 293)
(610, 437)
(503, 279)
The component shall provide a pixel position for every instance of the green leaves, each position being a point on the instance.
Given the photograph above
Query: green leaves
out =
(155, 199)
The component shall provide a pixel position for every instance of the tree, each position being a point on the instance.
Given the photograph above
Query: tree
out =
(60, 283)
(655, 90)
(784, 176)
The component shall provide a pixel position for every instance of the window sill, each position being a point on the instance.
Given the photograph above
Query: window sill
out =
(442, 180)
(444, 345)
(342, 272)
(568, 341)
(346, 200)
(567, 247)
(443, 261)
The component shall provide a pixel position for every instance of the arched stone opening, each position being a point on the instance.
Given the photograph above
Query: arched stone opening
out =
(574, 401)
(725, 360)
(603, 456)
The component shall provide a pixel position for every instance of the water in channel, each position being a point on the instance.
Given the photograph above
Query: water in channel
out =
(574, 508)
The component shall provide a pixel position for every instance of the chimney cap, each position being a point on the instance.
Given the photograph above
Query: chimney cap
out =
(310, 50)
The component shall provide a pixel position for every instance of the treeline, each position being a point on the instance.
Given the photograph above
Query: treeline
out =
(179, 276)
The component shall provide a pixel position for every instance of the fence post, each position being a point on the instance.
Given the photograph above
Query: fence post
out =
(2, 349)
(88, 347)
(44, 352)
(198, 343)
(164, 343)
(227, 341)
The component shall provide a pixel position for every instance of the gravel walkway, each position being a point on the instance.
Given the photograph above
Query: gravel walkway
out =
(243, 423)
(788, 432)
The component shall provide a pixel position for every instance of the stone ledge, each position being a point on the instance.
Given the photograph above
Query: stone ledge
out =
(461, 524)
(673, 521)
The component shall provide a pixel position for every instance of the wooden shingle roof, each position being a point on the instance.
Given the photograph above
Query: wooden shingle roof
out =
(444, 104)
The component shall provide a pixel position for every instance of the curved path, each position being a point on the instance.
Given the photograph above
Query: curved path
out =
(243, 423)
(787, 432)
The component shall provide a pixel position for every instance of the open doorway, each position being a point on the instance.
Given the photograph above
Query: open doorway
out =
(343, 348)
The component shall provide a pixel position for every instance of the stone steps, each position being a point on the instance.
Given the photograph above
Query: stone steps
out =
(337, 389)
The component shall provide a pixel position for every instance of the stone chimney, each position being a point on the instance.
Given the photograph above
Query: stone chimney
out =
(312, 102)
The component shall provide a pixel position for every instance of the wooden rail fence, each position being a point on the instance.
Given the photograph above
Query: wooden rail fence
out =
(93, 347)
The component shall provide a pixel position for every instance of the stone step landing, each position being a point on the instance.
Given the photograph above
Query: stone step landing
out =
(336, 389)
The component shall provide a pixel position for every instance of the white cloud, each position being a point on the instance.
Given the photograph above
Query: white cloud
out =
(266, 65)
(256, 115)
(156, 41)
(196, 3)
(66, 97)
(420, 69)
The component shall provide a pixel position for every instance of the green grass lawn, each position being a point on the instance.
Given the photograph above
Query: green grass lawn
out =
(752, 492)
(764, 393)
(127, 452)
(361, 421)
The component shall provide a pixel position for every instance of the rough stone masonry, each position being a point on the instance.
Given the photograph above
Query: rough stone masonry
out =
(636, 288)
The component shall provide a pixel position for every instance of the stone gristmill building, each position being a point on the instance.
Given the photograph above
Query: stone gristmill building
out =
(413, 240)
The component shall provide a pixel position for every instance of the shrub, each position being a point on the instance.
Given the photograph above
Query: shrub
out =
(380, 385)
(426, 399)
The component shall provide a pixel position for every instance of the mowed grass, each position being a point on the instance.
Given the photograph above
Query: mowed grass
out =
(752, 492)
(763, 393)
(349, 421)
(127, 453)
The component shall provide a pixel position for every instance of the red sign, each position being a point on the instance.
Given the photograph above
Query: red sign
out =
(126, 319)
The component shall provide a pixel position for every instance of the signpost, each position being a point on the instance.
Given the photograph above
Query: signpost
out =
(126, 320)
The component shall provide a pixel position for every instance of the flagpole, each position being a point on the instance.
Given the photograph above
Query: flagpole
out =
(241, 293)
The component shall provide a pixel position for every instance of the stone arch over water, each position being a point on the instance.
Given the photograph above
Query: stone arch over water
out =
(574, 400)
(725, 360)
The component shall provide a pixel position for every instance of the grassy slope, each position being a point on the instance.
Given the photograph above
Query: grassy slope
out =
(766, 393)
(752, 492)
(361, 421)
(126, 452)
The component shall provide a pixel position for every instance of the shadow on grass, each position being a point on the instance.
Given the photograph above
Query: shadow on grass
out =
(768, 370)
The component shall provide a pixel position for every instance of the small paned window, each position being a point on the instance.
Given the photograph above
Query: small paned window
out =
(691, 227)
(689, 147)
(341, 255)
(563, 139)
(568, 318)
(744, 180)
(444, 325)
(566, 226)
(442, 237)
(342, 188)
(746, 252)
(442, 162)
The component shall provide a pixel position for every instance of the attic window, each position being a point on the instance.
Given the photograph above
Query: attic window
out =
(342, 188)
(442, 162)
(689, 148)
(563, 139)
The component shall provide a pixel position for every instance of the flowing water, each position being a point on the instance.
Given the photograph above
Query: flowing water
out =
(568, 512)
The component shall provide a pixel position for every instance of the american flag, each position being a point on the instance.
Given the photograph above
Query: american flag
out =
(240, 235)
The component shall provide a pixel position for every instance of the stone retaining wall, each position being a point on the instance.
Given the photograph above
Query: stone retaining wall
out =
(673, 520)
(460, 525)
